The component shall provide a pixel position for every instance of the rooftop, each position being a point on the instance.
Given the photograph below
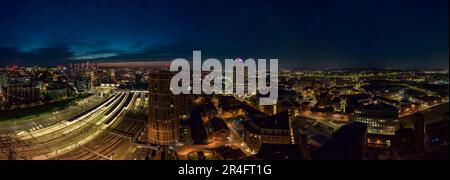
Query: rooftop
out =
(279, 152)
(278, 121)
(346, 144)
(378, 106)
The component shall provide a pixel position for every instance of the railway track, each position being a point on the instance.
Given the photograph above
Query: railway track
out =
(119, 136)
(28, 146)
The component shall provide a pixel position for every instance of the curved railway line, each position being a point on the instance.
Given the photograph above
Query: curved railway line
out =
(68, 137)
(119, 136)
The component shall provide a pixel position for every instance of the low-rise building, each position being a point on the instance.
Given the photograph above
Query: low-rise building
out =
(348, 143)
(21, 93)
(382, 122)
(426, 101)
(268, 130)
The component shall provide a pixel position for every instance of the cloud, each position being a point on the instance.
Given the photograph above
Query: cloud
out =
(40, 56)
(181, 49)
(65, 54)
(290, 54)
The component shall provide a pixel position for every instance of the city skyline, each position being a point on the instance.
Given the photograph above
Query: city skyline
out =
(230, 80)
(127, 112)
(301, 34)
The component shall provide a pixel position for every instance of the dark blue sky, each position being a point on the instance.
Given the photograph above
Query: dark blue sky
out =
(301, 33)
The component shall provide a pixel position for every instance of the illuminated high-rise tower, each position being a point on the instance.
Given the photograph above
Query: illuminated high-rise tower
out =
(165, 110)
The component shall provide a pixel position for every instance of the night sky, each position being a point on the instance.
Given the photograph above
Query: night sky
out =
(301, 33)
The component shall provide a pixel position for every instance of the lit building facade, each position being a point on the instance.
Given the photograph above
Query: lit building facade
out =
(382, 122)
(165, 111)
(3, 85)
(270, 130)
(21, 93)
